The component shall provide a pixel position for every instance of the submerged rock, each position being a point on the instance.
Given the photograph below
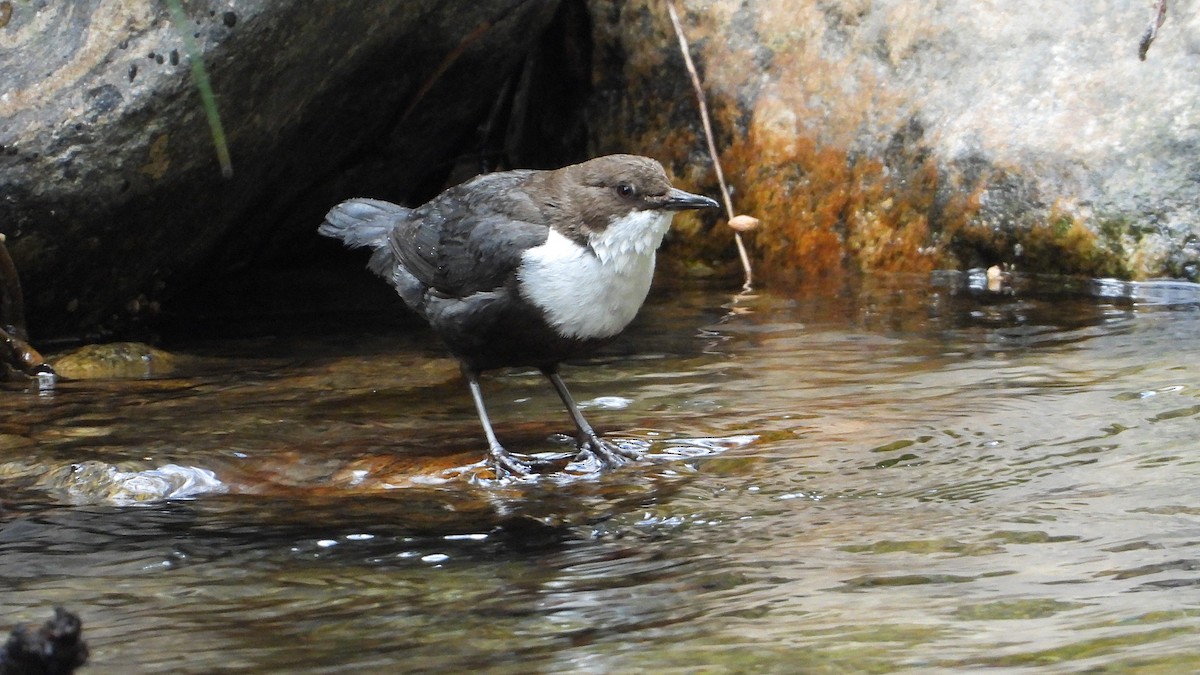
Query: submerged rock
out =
(54, 648)
(906, 136)
(93, 482)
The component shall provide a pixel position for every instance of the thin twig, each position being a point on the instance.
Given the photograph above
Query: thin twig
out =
(453, 55)
(444, 66)
(12, 303)
(708, 135)
(15, 350)
(1156, 22)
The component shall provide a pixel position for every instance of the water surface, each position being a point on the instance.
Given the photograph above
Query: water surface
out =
(920, 474)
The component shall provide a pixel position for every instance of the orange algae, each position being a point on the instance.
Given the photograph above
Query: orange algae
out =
(827, 214)
(836, 198)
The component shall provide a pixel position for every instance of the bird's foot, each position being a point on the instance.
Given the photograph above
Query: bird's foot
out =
(608, 454)
(505, 464)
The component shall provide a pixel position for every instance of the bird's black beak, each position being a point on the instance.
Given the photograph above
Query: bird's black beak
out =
(678, 200)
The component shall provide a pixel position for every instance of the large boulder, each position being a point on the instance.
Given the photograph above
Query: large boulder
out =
(893, 135)
(110, 190)
(905, 135)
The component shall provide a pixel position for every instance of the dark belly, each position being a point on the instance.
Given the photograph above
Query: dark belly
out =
(504, 330)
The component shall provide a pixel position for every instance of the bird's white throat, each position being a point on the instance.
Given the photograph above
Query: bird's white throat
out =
(595, 293)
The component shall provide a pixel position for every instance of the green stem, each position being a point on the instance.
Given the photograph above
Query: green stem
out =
(200, 77)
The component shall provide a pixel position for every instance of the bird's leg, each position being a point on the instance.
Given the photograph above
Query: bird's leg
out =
(610, 454)
(502, 460)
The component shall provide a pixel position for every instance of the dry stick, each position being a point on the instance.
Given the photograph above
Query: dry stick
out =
(14, 338)
(1156, 22)
(474, 36)
(12, 303)
(708, 135)
(442, 67)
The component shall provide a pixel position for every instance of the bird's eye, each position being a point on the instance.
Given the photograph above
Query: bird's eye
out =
(625, 190)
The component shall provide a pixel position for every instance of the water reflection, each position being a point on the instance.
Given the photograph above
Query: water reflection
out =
(918, 474)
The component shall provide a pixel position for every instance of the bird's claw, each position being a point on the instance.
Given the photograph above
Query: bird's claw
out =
(610, 455)
(594, 451)
(505, 464)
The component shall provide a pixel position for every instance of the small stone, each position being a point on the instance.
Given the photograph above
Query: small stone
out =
(743, 223)
(995, 278)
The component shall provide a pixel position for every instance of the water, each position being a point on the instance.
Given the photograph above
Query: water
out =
(918, 475)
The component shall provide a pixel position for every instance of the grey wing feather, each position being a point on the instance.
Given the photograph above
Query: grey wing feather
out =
(471, 237)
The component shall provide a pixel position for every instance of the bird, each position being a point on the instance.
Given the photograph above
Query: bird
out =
(525, 268)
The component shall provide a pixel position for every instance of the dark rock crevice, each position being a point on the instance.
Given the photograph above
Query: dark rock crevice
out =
(111, 196)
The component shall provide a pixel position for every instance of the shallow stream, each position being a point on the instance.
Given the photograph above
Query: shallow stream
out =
(921, 474)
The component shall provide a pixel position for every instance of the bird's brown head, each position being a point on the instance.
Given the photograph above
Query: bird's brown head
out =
(600, 191)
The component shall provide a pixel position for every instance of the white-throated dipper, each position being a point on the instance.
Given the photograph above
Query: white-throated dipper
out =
(525, 267)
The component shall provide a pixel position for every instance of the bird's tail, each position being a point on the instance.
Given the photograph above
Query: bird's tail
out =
(363, 222)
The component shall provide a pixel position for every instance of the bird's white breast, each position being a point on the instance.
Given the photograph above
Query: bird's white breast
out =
(594, 293)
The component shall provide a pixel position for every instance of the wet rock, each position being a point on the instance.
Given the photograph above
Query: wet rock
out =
(110, 190)
(116, 360)
(906, 136)
(54, 648)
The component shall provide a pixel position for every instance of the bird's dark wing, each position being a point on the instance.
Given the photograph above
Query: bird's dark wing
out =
(470, 238)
